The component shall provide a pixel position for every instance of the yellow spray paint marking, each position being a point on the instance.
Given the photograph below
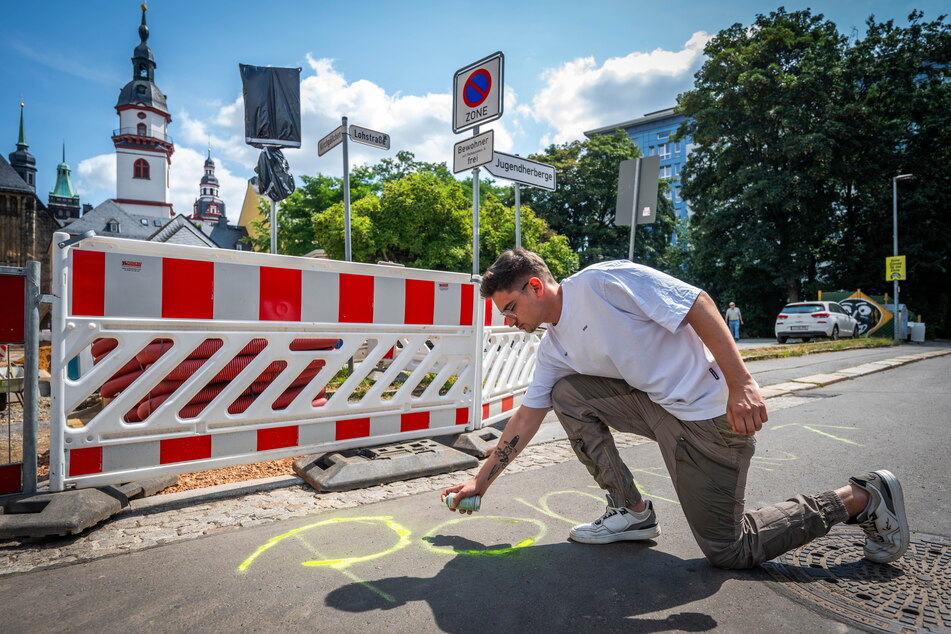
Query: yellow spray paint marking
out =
(545, 509)
(448, 550)
(773, 461)
(337, 564)
(813, 429)
(366, 584)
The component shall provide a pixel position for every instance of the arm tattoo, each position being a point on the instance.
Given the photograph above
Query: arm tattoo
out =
(504, 454)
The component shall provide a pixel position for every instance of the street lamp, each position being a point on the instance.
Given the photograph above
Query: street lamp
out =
(895, 180)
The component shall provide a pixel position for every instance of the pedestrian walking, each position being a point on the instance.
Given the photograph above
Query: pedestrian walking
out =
(631, 348)
(734, 319)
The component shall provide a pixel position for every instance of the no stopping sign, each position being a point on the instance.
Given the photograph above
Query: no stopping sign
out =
(477, 93)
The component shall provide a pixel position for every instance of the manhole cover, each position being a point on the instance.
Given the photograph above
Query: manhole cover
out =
(912, 594)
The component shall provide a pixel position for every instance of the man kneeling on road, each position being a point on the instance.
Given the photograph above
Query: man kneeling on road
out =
(635, 349)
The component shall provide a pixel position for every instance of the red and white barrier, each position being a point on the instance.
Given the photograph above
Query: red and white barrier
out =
(208, 358)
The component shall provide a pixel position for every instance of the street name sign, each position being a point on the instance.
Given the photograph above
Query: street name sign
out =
(473, 151)
(331, 141)
(477, 93)
(895, 268)
(524, 171)
(370, 137)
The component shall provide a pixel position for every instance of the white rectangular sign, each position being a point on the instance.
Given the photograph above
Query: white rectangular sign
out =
(330, 141)
(524, 171)
(370, 137)
(473, 152)
(477, 93)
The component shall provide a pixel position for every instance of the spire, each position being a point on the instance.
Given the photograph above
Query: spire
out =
(64, 183)
(144, 28)
(142, 88)
(21, 141)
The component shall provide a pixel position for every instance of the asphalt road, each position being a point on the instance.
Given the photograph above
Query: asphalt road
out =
(410, 565)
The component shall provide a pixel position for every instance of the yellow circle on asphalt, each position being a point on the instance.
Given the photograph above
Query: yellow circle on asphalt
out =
(448, 550)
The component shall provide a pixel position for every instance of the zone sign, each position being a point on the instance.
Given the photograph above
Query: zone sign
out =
(477, 93)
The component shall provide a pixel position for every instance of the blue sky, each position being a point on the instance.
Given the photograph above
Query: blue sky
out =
(569, 67)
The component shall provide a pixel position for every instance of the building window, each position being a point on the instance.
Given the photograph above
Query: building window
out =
(677, 147)
(651, 151)
(668, 195)
(665, 171)
(141, 130)
(112, 226)
(141, 169)
(664, 150)
(157, 223)
(144, 221)
(141, 115)
(662, 136)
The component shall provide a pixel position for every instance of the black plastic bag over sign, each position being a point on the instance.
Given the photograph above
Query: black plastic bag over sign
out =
(274, 177)
(271, 105)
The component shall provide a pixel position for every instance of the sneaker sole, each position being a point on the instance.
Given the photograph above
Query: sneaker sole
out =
(627, 536)
(898, 500)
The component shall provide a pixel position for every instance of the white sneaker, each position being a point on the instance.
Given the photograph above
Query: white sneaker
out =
(883, 520)
(617, 524)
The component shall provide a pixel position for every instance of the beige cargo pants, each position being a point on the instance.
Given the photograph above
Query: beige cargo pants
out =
(708, 463)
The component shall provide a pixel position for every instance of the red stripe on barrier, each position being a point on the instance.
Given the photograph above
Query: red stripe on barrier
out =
(356, 299)
(10, 478)
(462, 416)
(188, 289)
(508, 403)
(89, 283)
(277, 437)
(356, 428)
(280, 294)
(420, 302)
(488, 313)
(485, 411)
(13, 316)
(85, 461)
(465, 306)
(184, 449)
(414, 421)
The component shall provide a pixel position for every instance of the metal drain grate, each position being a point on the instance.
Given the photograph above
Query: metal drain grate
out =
(910, 595)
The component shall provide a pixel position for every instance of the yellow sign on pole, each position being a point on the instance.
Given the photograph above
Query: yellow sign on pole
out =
(895, 268)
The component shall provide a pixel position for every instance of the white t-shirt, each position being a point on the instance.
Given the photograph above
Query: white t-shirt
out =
(625, 321)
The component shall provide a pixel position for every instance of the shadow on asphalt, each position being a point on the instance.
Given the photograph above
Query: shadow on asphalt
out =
(559, 587)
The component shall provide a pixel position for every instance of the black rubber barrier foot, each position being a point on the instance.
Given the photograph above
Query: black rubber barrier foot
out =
(479, 443)
(71, 512)
(360, 468)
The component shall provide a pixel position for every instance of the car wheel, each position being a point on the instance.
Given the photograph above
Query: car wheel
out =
(835, 333)
(855, 332)
(781, 339)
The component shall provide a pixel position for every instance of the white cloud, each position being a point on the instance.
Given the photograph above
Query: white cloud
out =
(418, 123)
(579, 95)
(96, 176)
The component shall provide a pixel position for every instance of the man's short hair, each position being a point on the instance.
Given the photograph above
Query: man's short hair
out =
(513, 269)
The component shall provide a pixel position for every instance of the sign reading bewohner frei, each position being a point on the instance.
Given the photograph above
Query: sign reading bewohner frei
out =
(473, 151)
(477, 93)
(524, 171)
(370, 137)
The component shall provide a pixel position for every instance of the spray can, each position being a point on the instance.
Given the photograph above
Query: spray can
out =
(465, 504)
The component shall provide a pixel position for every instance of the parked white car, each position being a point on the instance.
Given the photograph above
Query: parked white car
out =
(807, 320)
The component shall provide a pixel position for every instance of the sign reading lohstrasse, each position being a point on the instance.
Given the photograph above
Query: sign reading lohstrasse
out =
(370, 137)
(524, 171)
(473, 151)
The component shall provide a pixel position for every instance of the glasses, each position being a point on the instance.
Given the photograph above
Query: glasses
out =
(509, 311)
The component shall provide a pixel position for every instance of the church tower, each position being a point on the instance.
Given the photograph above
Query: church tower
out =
(21, 160)
(63, 200)
(208, 206)
(143, 147)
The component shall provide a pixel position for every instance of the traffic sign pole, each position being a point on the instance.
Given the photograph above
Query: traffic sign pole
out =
(475, 215)
(637, 183)
(518, 216)
(348, 255)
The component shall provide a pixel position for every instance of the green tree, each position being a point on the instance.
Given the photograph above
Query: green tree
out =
(583, 206)
(763, 118)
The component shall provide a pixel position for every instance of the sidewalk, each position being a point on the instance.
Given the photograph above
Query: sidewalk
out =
(167, 519)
